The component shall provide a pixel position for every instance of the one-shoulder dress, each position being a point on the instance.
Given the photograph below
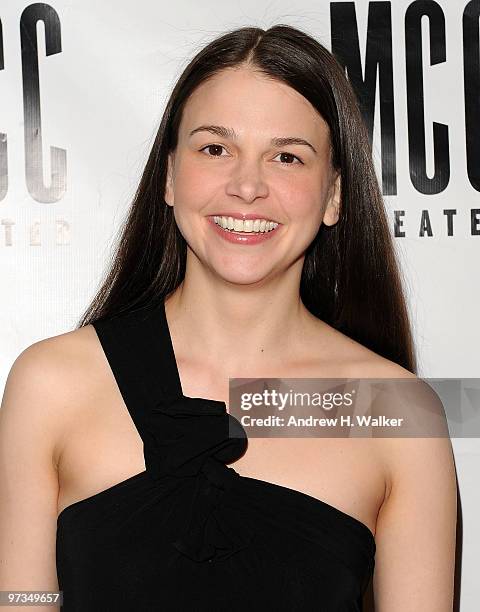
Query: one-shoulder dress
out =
(189, 533)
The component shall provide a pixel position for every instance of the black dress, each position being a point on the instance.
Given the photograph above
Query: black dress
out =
(189, 533)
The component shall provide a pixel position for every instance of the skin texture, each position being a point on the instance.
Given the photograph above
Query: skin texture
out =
(242, 302)
(247, 175)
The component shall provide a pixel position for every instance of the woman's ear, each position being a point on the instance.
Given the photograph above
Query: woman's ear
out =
(332, 210)
(169, 192)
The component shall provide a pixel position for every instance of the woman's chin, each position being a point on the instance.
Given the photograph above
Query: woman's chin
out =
(244, 277)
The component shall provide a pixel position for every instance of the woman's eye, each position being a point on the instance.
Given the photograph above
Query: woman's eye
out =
(287, 158)
(214, 147)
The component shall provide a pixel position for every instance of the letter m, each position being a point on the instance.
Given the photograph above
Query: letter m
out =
(378, 59)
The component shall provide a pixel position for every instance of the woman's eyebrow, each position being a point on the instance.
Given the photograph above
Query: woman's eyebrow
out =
(225, 132)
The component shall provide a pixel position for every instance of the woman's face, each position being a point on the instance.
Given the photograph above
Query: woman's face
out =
(235, 168)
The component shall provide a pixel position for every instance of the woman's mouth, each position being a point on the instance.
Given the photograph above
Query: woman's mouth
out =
(244, 231)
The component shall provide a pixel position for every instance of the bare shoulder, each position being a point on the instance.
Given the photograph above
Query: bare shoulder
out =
(350, 358)
(426, 442)
(420, 502)
(53, 372)
(395, 455)
(53, 350)
(56, 359)
(419, 511)
(42, 391)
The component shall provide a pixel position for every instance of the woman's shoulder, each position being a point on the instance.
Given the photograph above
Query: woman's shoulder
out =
(60, 373)
(339, 356)
(351, 358)
(60, 358)
(57, 356)
(426, 442)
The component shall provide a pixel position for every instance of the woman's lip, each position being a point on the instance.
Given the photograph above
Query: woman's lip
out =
(235, 215)
(241, 237)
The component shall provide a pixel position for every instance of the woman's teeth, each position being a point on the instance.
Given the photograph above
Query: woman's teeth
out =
(249, 225)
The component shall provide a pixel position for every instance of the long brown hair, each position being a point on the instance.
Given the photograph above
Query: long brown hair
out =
(350, 278)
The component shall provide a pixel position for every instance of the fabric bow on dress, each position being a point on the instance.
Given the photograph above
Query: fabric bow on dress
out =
(192, 437)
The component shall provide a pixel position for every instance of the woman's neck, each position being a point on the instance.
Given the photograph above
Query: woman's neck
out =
(241, 328)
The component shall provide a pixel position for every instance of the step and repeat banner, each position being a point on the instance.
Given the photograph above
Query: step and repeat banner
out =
(83, 85)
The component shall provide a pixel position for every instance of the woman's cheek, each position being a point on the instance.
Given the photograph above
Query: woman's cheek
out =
(196, 187)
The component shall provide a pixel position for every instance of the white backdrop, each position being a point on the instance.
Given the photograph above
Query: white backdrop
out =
(101, 99)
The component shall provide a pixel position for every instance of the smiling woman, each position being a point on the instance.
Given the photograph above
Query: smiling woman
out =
(248, 168)
(256, 246)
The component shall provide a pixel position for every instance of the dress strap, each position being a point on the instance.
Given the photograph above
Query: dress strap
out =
(140, 353)
(183, 437)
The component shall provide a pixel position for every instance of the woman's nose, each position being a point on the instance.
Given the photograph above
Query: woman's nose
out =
(247, 180)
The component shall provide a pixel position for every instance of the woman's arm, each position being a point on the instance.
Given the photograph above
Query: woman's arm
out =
(29, 428)
(416, 528)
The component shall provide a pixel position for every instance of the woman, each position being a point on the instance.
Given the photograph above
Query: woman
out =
(257, 246)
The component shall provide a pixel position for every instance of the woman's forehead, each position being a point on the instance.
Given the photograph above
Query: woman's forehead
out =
(249, 102)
